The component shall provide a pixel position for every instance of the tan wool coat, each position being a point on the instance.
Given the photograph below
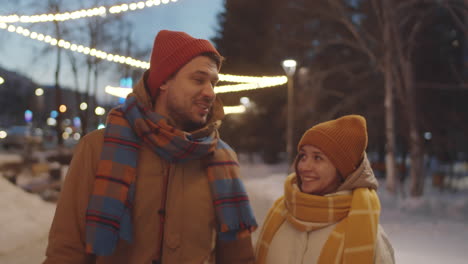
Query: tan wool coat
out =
(189, 235)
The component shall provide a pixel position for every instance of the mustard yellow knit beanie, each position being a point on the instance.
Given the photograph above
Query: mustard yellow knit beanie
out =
(343, 140)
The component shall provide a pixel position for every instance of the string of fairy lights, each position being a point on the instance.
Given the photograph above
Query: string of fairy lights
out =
(268, 82)
(74, 47)
(246, 82)
(243, 82)
(84, 13)
(123, 92)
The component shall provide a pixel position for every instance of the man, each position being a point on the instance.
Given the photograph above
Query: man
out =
(157, 185)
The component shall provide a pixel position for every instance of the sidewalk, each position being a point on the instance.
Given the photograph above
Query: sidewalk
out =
(24, 225)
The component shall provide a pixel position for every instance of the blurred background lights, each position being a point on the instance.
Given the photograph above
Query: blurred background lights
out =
(245, 101)
(28, 116)
(254, 83)
(39, 91)
(118, 91)
(3, 134)
(238, 109)
(83, 106)
(126, 82)
(63, 108)
(77, 122)
(289, 66)
(84, 13)
(99, 111)
(2, 80)
(67, 45)
(66, 122)
(248, 82)
(51, 121)
(428, 135)
(258, 83)
(76, 136)
(53, 114)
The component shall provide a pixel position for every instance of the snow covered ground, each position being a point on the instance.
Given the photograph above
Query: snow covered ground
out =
(430, 230)
(24, 222)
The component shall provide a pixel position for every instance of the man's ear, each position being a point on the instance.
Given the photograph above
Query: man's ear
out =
(165, 85)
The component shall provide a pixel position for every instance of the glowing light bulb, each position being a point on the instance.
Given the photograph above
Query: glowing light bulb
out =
(62, 108)
(83, 106)
(39, 92)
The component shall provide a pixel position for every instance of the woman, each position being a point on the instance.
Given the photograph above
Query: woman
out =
(330, 209)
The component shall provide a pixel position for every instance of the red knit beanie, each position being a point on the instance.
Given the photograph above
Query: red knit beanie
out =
(343, 140)
(171, 51)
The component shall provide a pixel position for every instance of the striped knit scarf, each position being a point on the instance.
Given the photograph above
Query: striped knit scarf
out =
(354, 237)
(108, 216)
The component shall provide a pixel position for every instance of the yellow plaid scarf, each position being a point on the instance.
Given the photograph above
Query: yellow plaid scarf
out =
(352, 240)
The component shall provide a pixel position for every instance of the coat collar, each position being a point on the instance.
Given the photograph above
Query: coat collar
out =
(362, 177)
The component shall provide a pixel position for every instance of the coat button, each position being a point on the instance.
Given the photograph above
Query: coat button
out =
(173, 240)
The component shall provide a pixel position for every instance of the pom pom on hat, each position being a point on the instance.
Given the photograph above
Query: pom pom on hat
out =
(171, 51)
(343, 141)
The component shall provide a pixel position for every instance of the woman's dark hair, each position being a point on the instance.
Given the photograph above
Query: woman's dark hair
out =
(296, 170)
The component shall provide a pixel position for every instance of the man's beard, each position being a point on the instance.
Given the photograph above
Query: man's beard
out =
(183, 120)
(192, 126)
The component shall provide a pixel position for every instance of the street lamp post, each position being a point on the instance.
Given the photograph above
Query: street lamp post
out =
(289, 67)
(39, 92)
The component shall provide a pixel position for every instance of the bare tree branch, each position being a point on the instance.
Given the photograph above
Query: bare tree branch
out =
(409, 5)
(353, 30)
(343, 42)
(378, 11)
(411, 43)
(443, 86)
(348, 102)
(455, 17)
